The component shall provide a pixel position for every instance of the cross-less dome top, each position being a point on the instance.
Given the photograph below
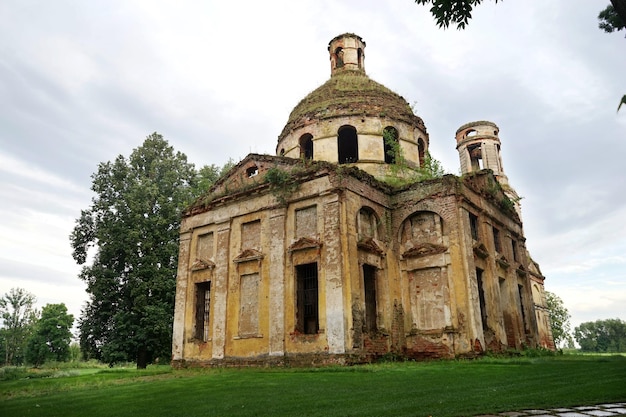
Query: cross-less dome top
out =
(347, 119)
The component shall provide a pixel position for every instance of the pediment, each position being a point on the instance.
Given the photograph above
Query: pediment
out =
(248, 255)
(304, 243)
(370, 245)
(481, 251)
(200, 264)
(503, 262)
(424, 249)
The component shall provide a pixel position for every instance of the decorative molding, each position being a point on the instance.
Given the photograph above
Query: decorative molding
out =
(481, 251)
(370, 245)
(200, 264)
(249, 255)
(304, 243)
(424, 249)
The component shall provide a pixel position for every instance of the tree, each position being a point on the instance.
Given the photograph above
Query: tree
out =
(133, 226)
(613, 18)
(602, 336)
(559, 320)
(51, 337)
(451, 11)
(18, 316)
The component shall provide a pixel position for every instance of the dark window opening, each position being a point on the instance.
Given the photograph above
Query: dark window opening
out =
(203, 308)
(348, 145)
(359, 53)
(391, 144)
(474, 225)
(476, 156)
(520, 290)
(514, 249)
(497, 244)
(282, 151)
(481, 297)
(252, 171)
(339, 57)
(421, 149)
(369, 285)
(306, 146)
(307, 314)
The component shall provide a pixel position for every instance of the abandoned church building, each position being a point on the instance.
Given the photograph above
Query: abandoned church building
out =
(332, 252)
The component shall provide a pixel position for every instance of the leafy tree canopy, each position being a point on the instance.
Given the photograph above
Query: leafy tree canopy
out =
(613, 18)
(18, 316)
(602, 336)
(559, 320)
(52, 336)
(457, 12)
(133, 226)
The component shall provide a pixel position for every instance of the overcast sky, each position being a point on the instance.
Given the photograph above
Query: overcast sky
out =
(84, 81)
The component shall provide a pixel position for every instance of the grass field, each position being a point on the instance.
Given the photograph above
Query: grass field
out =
(446, 388)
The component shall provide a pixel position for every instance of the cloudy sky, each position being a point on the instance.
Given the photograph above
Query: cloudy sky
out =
(84, 81)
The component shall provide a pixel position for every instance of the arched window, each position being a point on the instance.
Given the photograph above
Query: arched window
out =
(339, 57)
(306, 146)
(421, 150)
(367, 224)
(391, 144)
(347, 144)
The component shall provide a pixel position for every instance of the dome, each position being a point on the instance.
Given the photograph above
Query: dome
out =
(350, 93)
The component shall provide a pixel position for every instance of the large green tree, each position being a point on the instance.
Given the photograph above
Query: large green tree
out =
(132, 226)
(559, 320)
(602, 336)
(18, 317)
(51, 337)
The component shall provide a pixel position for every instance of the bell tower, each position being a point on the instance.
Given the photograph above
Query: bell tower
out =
(478, 144)
(346, 53)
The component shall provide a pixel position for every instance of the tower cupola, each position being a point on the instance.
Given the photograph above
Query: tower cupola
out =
(352, 119)
(346, 53)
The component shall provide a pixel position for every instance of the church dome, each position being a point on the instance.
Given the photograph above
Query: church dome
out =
(350, 93)
(352, 119)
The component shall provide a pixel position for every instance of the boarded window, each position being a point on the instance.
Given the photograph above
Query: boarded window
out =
(429, 294)
(249, 305)
(306, 222)
(368, 223)
(204, 249)
(307, 308)
(251, 235)
(203, 309)
(369, 285)
(423, 227)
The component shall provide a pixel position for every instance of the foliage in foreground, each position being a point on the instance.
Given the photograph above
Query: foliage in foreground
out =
(489, 385)
(559, 320)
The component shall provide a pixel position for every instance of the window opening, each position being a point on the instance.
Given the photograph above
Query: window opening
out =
(514, 248)
(369, 285)
(339, 57)
(421, 149)
(359, 53)
(348, 145)
(306, 146)
(203, 308)
(481, 298)
(473, 225)
(496, 240)
(520, 290)
(307, 299)
(253, 171)
(476, 156)
(391, 145)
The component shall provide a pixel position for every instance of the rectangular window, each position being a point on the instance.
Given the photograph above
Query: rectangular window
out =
(249, 305)
(306, 222)
(307, 315)
(203, 308)
(514, 249)
(474, 225)
(251, 235)
(204, 249)
(481, 297)
(496, 240)
(520, 290)
(369, 284)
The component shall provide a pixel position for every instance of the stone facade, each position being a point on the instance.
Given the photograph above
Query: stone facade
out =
(311, 257)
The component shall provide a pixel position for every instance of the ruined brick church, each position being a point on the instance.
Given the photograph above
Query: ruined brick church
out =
(330, 252)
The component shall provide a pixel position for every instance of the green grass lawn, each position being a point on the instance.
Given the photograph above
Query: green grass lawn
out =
(446, 388)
